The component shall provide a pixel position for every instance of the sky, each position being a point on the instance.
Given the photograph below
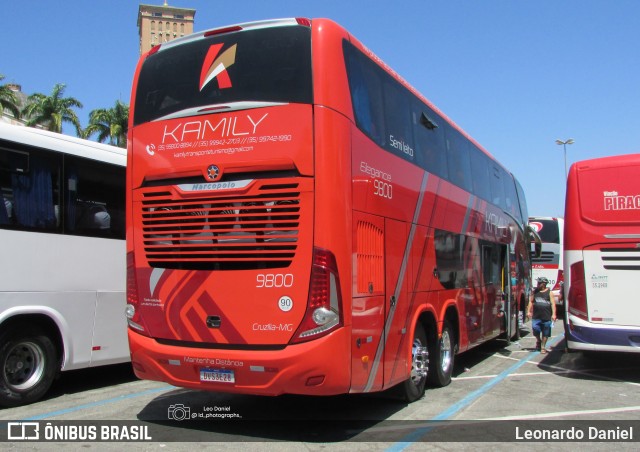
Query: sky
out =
(516, 75)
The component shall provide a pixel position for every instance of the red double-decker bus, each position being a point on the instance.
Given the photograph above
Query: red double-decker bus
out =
(301, 220)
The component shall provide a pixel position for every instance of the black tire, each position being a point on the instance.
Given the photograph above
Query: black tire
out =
(413, 388)
(506, 325)
(29, 364)
(442, 354)
(566, 333)
(517, 335)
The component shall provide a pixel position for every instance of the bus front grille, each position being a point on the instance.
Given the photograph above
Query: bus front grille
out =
(253, 231)
(545, 257)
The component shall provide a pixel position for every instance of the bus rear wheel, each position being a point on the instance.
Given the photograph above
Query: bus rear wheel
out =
(442, 353)
(413, 388)
(29, 365)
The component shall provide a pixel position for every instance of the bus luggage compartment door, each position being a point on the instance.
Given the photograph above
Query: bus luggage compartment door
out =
(611, 273)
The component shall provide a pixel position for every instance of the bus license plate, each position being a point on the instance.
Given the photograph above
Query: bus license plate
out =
(217, 375)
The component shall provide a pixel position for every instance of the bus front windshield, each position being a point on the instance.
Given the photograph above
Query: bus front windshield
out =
(262, 65)
(548, 231)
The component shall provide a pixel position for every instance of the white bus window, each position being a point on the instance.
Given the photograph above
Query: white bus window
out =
(30, 185)
(95, 198)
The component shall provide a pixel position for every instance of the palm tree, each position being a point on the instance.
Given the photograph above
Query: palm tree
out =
(51, 111)
(110, 124)
(8, 100)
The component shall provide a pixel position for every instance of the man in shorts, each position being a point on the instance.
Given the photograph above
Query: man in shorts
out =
(542, 311)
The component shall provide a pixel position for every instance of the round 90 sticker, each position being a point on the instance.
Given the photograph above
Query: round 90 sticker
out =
(285, 303)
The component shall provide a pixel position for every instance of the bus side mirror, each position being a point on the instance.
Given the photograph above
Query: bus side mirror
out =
(535, 241)
(536, 250)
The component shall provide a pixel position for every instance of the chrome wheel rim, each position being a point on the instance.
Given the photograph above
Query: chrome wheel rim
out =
(445, 351)
(24, 366)
(419, 362)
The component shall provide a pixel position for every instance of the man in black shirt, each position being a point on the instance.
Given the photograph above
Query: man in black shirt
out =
(542, 310)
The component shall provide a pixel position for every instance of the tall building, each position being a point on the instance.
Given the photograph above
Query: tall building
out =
(163, 23)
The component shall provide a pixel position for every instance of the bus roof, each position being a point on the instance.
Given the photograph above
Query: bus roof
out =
(63, 143)
(293, 21)
(229, 28)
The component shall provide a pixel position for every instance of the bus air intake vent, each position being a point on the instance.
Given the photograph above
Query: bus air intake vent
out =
(369, 257)
(620, 258)
(215, 232)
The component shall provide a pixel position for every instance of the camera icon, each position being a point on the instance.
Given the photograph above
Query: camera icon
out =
(179, 412)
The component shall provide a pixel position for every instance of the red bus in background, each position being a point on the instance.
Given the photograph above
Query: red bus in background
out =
(301, 220)
(602, 254)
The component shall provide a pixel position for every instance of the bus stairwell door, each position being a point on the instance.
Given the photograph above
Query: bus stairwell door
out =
(398, 271)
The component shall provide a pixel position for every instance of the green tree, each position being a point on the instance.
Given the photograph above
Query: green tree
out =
(110, 124)
(51, 111)
(8, 100)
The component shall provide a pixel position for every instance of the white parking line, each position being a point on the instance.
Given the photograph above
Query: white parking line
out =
(555, 370)
(485, 377)
(563, 414)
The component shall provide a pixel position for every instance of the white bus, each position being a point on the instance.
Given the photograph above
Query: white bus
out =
(62, 270)
(602, 255)
(550, 262)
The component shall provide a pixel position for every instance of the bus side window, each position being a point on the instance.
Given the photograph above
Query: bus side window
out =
(6, 206)
(455, 271)
(458, 159)
(491, 263)
(366, 93)
(429, 140)
(95, 198)
(522, 202)
(497, 187)
(511, 196)
(398, 127)
(480, 165)
(29, 190)
(93, 216)
(6, 209)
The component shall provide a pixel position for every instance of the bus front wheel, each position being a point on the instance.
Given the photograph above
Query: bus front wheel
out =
(29, 365)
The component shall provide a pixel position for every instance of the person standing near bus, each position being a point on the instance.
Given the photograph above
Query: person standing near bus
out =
(542, 311)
